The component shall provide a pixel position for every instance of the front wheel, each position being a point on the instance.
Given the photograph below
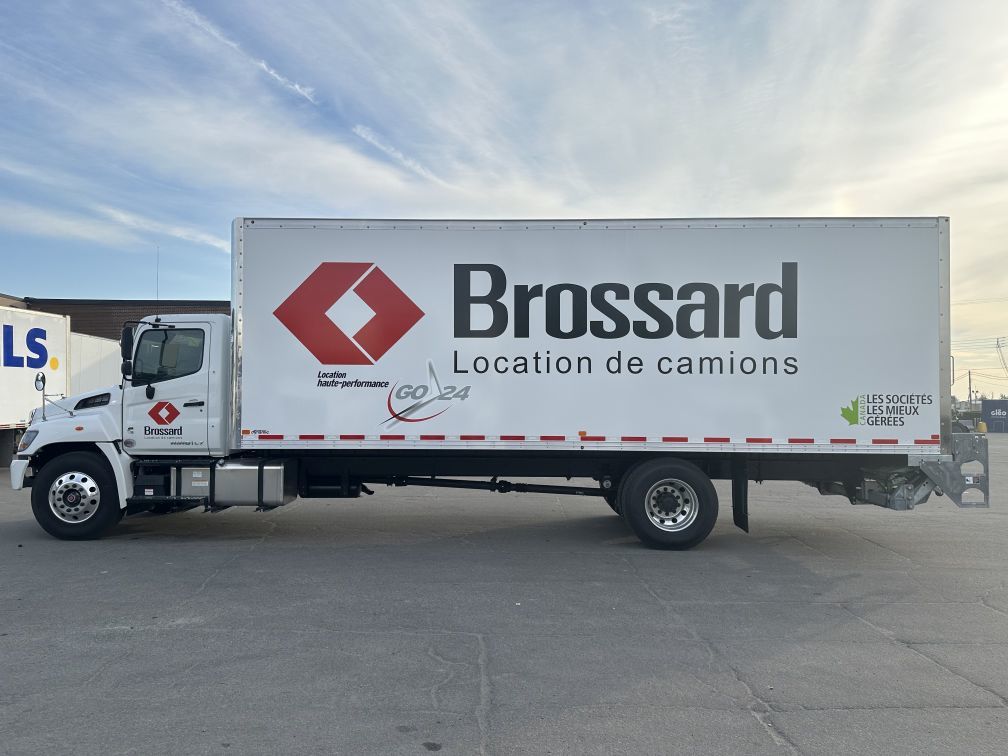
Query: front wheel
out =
(670, 504)
(74, 497)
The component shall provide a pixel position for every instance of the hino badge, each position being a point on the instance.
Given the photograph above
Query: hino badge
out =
(651, 356)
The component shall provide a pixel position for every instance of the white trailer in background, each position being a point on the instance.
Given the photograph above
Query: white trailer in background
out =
(94, 363)
(651, 355)
(33, 342)
(30, 342)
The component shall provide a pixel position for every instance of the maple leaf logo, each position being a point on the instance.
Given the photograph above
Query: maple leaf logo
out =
(850, 414)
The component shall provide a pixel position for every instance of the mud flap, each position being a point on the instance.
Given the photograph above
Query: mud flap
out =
(740, 494)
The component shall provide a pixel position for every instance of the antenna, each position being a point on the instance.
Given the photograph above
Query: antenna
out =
(157, 272)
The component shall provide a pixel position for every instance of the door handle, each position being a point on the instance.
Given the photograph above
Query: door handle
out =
(194, 403)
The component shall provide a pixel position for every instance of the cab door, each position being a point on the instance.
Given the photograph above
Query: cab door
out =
(165, 399)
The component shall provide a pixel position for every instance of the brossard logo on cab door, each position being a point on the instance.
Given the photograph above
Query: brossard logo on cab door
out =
(163, 413)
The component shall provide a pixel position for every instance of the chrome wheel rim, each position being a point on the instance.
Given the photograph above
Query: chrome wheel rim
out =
(672, 505)
(74, 497)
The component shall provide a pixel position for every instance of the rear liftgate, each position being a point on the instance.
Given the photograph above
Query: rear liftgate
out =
(903, 488)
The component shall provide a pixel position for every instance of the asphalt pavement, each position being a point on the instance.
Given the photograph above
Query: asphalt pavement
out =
(420, 621)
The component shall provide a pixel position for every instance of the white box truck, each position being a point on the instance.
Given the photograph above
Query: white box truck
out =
(649, 355)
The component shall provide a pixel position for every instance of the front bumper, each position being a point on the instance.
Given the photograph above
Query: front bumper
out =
(17, 473)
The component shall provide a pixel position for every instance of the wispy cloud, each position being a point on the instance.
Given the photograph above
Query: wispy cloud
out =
(107, 226)
(27, 171)
(192, 16)
(62, 224)
(307, 92)
(147, 226)
(371, 138)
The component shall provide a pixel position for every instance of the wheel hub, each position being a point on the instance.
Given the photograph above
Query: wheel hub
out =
(672, 505)
(74, 497)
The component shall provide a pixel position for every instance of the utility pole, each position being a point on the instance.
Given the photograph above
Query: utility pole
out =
(970, 392)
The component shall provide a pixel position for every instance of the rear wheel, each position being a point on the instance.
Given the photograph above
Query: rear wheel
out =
(74, 497)
(670, 504)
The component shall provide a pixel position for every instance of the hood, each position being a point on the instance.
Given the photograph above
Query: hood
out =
(85, 403)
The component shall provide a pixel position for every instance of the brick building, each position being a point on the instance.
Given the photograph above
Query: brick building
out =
(105, 317)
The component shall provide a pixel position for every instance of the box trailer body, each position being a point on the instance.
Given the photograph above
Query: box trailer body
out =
(665, 336)
(650, 355)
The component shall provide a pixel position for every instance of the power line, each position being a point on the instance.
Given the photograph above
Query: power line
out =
(991, 343)
(980, 301)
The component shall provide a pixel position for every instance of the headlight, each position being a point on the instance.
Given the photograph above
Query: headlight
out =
(27, 439)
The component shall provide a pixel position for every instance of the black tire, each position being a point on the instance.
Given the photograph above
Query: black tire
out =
(85, 474)
(682, 500)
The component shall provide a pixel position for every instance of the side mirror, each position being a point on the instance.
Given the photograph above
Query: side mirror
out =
(126, 344)
(40, 381)
(127, 368)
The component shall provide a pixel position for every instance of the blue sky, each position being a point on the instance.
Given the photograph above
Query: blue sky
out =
(129, 126)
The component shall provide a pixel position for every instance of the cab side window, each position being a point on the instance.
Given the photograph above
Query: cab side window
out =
(166, 353)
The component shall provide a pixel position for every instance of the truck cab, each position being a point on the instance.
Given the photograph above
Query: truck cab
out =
(173, 405)
(176, 385)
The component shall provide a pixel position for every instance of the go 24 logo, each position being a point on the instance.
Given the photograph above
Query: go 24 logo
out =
(414, 403)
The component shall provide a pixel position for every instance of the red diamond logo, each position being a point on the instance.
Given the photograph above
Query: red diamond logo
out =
(163, 413)
(304, 313)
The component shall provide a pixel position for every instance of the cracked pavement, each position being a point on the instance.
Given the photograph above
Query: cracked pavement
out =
(419, 621)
